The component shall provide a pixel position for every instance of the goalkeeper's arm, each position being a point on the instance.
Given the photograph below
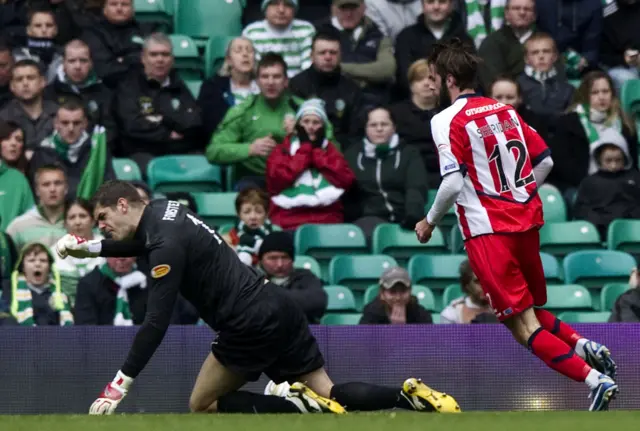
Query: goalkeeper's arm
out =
(113, 248)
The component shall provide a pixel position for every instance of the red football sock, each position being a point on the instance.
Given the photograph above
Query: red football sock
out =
(557, 327)
(558, 355)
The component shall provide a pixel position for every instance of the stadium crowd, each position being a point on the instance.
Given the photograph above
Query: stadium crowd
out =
(319, 114)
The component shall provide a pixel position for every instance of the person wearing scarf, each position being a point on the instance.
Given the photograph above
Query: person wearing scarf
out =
(34, 293)
(306, 174)
(40, 45)
(477, 12)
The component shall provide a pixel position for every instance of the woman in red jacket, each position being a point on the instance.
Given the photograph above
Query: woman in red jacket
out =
(306, 174)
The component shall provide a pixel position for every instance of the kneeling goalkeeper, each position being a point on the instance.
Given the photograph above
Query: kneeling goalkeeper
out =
(259, 330)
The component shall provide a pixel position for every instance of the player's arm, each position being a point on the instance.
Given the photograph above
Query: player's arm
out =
(75, 246)
(539, 152)
(168, 265)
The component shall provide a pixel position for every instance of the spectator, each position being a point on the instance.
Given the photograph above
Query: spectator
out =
(544, 92)
(395, 304)
(613, 191)
(115, 41)
(28, 109)
(34, 293)
(156, 111)
(251, 130)
(77, 79)
(281, 33)
(483, 17)
(41, 46)
(276, 259)
(621, 41)
(78, 220)
(309, 10)
(6, 319)
(595, 108)
(233, 85)
(13, 20)
(83, 154)
(413, 118)
(252, 225)
(12, 151)
(366, 53)
(503, 50)
(45, 222)
(439, 22)
(474, 302)
(627, 306)
(393, 16)
(15, 193)
(391, 181)
(113, 293)
(306, 174)
(325, 81)
(576, 27)
(6, 64)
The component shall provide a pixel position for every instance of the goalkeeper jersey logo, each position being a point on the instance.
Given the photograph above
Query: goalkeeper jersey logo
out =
(160, 271)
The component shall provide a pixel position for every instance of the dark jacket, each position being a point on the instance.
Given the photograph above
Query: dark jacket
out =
(575, 24)
(115, 49)
(375, 313)
(148, 112)
(413, 125)
(570, 151)
(13, 21)
(619, 33)
(5, 96)
(548, 99)
(398, 196)
(627, 307)
(415, 42)
(214, 100)
(342, 96)
(34, 131)
(503, 54)
(306, 290)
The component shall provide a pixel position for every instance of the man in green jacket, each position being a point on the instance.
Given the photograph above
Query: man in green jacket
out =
(15, 194)
(249, 131)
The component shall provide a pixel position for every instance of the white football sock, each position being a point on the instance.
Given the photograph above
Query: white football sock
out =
(580, 348)
(592, 379)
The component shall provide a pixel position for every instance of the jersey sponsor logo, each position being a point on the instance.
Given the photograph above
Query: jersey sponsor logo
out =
(449, 167)
(160, 271)
(481, 109)
(171, 211)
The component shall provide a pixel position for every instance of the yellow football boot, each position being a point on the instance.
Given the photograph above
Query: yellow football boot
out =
(423, 398)
(310, 402)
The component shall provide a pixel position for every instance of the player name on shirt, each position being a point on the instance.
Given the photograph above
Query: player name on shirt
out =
(171, 211)
(499, 127)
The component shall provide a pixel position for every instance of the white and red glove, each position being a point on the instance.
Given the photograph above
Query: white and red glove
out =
(111, 395)
(76, 246)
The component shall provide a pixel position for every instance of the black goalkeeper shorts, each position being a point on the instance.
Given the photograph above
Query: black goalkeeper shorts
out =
(270, 336)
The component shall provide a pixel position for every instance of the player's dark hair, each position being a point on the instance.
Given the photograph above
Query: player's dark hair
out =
(330, 34)
(50, 167)
(108, 194)
(458, 60)
(254, 196)
(466, 276)
(505, 78)
(82, 203)
(27, 62)
(272, 59)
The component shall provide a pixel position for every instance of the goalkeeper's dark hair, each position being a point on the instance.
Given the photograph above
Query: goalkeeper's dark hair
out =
(108, 194)
(457, 59)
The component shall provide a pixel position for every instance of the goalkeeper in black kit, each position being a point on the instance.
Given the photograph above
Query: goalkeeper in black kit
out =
(259, 329)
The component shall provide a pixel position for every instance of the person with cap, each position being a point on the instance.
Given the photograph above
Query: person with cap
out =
(306, 174)
(276, 260)
(395, 304)
(281, 33)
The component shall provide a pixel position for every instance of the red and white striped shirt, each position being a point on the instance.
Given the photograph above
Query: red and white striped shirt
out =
(495, 151)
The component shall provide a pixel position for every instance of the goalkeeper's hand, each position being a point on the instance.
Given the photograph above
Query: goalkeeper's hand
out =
(111, 395)
(75, 246)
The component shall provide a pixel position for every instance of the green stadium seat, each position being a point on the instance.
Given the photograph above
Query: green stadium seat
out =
(215, 52)
(575, 83)
(341, 319)
(560, 239)
(358, 272)
(307, 262)
(188, 61)
(126, 169)
(216, 209)
(624, 235)
(202, 19)
(226, 228)
(553, 204)
(437, 272)
(194, 87)
(451, 292)
(456, 243)
(552, 268)
(425, 297)
(594, 269)
(371, 293)
(610, 293)
(450, 217)
(568, 297)
(630, 96)
(189, 173)
(156, 12)
(585, 316)
(401, 244)
(340, 298)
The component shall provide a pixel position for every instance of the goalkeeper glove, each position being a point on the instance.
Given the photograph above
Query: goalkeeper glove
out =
(75, 246)
(111, 395)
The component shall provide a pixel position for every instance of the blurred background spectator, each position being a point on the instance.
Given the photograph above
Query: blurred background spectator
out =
(620, 42)
(308, 10)
(627, 307)
(472, 304)
(6, 64)
(393, 16)
(395, 304)
(12, 151)
(15, 192)
(40, 43)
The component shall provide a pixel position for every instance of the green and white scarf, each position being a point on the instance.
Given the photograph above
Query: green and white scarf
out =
(311, 188)
(122, 315)
(540, 76)
(593, 126)
(475, 18)
(250, 240)
(22, 300)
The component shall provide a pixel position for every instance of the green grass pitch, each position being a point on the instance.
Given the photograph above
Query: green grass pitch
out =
(401, 421)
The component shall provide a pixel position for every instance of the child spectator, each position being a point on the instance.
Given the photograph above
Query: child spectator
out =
(34, 293)
(543, 91)
(627, 306)
(469, 306)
